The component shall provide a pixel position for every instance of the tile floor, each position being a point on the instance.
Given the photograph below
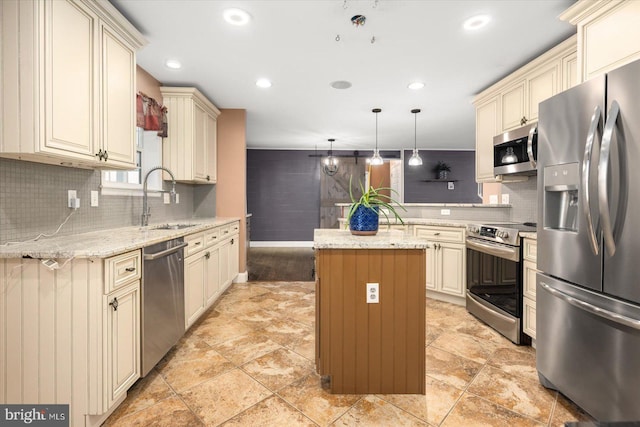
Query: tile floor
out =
(250, 362)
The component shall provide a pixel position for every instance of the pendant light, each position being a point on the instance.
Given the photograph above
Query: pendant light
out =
(330, 164)
(376, 160)
(415, 159)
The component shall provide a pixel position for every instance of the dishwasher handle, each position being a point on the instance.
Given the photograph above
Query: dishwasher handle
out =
(150, 257)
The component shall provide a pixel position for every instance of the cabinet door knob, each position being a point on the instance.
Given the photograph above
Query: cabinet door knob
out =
(130, 269)
(232, 241)
(105, 156)
(114, 304)
(523, 121)
(99, 154)
(208, 178)
(207, 255)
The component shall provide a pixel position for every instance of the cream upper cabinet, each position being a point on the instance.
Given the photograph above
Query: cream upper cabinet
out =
(570, 71)
(488, 125)
(74, 103)
(513, 101)
(513, 106)
(608, 34)
(191, 145)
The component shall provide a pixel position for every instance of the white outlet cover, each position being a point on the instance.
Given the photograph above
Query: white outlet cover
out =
(505, 199)
(493, 199)
(167, 198)
(445, 211)
(177, 198)
(451, 186)
(94, 198)
(373, 294)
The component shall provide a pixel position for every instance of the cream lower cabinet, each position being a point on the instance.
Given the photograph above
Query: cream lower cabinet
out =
(529, 271)
(73, 102)
(210, 265)
(70, 335)
(446, 262)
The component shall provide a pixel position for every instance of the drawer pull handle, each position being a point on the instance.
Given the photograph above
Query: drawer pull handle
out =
(196, 243)
(226, 231)
(130, 269)
(114, 304)
(436, 234)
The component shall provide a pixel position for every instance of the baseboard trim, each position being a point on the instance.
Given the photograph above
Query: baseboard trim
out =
(242, 277)
(281, 244)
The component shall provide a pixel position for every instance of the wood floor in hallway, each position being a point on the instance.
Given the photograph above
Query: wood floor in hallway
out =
(280, 264)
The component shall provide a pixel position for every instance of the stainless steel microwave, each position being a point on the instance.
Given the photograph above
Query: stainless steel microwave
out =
(516, 151)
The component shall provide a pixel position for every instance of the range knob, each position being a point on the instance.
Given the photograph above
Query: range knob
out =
(503, 234)
(472, 228)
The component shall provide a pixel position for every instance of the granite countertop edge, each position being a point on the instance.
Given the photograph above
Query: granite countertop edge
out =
(343, 239)
(106, 243)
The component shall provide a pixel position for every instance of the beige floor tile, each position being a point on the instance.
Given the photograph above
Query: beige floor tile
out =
(450, 368)
(566, 411)
(242, 291)
(516, 360)
(468, 346)
(184, 371)
(273, 411)
(245, 348)
(519, 394)
(145, 392)
(218, 330)
(278, 368)
(373, 411)
(472, 411)
(315, 402)
(306, 347)
(287, 332)
(433, 406)
(432, 332)
(170, 412)
(224, 397)
(474, 327)
(259, 319)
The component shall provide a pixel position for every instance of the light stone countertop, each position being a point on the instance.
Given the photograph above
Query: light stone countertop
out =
(343, 239)
(529, 235)
(442, 205)
(105, 243)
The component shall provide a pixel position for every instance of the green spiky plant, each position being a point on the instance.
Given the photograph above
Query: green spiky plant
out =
(371, 198)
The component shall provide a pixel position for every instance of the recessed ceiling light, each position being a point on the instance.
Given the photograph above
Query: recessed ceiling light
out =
(236, 16)
(173, 64)
(476, 22)
(416, 85)
(340, 84)
(264, 83)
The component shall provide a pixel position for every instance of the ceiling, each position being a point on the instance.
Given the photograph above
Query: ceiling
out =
(293, 43)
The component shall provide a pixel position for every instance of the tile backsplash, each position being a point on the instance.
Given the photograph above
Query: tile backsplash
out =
(33, 200)
(523, 198)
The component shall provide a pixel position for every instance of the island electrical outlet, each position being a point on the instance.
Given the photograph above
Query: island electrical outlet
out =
(373, 294)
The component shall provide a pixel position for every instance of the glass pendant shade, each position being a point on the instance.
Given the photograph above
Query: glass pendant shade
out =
(376, 160)
(415, 159)
(330, 164)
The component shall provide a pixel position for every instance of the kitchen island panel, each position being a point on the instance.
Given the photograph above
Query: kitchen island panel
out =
(371, 348)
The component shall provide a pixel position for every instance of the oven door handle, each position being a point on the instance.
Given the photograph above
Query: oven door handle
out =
(499, 251)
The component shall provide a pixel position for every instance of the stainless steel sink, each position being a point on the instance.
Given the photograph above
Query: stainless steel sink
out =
(172, 226)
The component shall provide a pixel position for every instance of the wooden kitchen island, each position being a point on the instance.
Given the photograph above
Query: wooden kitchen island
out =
(370, 347)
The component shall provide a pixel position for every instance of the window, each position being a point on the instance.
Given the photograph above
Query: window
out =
(129, 182)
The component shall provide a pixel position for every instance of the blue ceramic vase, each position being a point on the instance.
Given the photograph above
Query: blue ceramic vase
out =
(364, 221)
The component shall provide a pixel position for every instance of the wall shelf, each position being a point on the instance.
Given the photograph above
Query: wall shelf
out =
(439, 180)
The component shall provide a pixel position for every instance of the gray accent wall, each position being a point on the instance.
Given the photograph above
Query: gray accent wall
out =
(33, 200)
(283, 194)
(463, 170)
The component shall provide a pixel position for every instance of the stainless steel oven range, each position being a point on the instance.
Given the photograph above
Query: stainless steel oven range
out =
(494, 277)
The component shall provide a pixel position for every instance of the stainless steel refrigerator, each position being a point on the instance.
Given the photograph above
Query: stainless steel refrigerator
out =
(588, 288)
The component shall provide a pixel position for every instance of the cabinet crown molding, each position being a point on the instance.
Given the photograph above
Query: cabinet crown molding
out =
(189, 92)
(582, 9)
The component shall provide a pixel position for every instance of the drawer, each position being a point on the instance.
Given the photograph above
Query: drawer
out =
(440, 234)
(211, 237)
(195, 242)
(234, 228)
(122, 269)
(529, 317)
(529, 279)
(530, 249)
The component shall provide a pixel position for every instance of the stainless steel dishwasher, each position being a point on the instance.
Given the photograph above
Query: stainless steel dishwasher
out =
(162, 300)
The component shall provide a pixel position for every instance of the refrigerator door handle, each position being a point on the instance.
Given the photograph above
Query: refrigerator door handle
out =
(586, 168)
(598, 311)
(532, 132)
(603, 170)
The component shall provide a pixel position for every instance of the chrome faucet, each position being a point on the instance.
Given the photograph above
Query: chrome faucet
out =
(145, 205)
